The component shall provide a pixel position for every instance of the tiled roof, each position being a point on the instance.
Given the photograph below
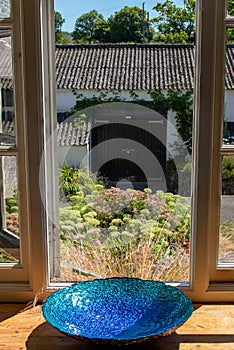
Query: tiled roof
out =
(229, 76)
(130, 67)
(122, 66)
(5, 62)
(6, 82)
(5, 58)
(8, 127)
(68, 134)
(7, 136)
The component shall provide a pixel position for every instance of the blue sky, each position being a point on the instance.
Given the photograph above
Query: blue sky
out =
(71, 9)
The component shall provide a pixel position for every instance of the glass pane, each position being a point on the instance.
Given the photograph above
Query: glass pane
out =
(5, 9)
(226, 244)
(230, 8)
(124, 159)
(7, 125)
(228, 127)
(9, 212)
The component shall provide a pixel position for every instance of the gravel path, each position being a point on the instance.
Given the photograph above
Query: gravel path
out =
(227, 209)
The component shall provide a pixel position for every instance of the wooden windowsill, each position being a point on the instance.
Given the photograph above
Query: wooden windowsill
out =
(211, 326)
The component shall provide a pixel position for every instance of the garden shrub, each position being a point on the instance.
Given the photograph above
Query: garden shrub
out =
(228, 168)
(12, 205)
(118, 232)
(228, 175)
(12, 218)
(12, 222)
(124, 217)
(76, 182)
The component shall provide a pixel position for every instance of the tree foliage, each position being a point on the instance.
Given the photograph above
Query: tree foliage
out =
(127, 25)
(90, 27)
(176, 101)
(230, 7)
(180, 103)
(102, 31)
(66, 38)
(230, 31)
(175, 24)
(59, 21)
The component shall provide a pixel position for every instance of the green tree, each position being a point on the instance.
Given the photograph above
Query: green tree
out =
(175, 24)
(230, 7)
(230, 31)
(102, 31)
(127, 25)
(90, 27)
(180, 103)
(59, 21)
(66, 38)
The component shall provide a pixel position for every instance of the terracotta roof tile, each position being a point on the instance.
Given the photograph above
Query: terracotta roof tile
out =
(6, 82)
(122, 66)
(7, 135)
(68, 134)
(130, 67)
(5, 62)
(229, 76)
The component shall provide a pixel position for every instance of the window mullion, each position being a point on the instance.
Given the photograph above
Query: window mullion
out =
(217, 274)
(15, 271)
(209, 87)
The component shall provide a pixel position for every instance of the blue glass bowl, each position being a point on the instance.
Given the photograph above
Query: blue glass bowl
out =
(117, 310)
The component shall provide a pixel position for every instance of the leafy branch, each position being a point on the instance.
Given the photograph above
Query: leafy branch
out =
(176, 101)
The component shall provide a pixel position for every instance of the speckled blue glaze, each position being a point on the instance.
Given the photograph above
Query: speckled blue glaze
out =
(117, 309)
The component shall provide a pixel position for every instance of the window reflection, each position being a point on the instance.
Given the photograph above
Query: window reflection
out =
(9, 212)
(226, 240)
(5, 9)
(7, 125)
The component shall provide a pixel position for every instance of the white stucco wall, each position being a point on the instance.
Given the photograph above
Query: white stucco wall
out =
(172, 135)
(229, 106)
(66, 99)
(74, 156)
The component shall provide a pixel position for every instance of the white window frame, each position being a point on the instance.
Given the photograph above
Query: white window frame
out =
(10, 272)
(219, 272)
(208, 282)
(26, 280)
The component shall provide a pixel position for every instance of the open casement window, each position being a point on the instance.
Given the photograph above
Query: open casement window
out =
(29, 24)
(212, 266)
(222, 169)
(14, 259)
(22, 247)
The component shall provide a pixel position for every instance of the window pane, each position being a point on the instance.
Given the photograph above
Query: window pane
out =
(9, 213)
(5, 9)
(226, 244)
(230, 8)
(7, 128)
(124, 159)
(228, 127)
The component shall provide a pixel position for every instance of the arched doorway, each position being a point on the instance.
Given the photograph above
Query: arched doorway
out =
(129, 151)
(124, 173)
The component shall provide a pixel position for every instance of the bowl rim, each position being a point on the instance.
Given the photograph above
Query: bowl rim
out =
(113, 340)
